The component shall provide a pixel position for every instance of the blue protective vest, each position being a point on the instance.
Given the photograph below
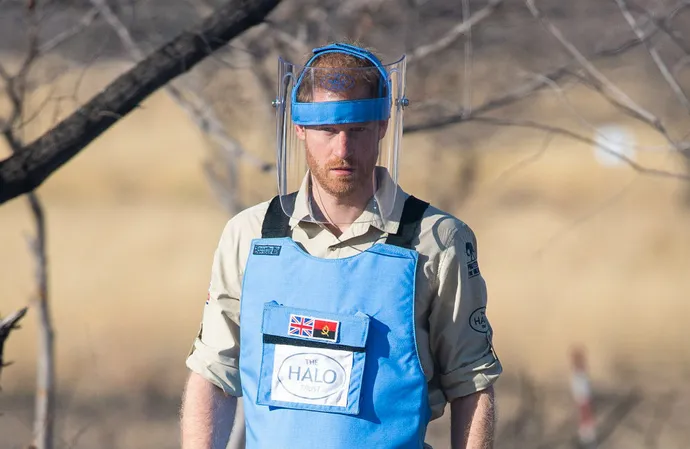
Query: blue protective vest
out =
(328, 351)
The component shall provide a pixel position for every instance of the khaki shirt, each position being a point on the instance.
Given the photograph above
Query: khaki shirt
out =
(452, 331)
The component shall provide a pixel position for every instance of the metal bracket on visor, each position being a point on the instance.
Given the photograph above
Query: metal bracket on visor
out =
(348, 111)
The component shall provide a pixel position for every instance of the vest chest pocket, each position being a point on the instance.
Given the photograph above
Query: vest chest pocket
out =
(312, 360)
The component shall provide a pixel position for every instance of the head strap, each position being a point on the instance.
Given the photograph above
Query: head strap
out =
(347, 111)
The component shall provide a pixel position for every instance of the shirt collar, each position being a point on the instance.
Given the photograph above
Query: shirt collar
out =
(370, 216)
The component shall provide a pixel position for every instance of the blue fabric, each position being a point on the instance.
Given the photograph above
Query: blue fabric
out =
(371, 296)
(339, 112)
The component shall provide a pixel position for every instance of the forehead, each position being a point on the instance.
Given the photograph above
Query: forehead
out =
(357, 92)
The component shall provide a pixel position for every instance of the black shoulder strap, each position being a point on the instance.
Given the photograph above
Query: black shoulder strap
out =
(412, 214)
(276, 223)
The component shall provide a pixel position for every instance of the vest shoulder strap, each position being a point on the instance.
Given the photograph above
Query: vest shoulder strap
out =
(411, 217)
(276, 223)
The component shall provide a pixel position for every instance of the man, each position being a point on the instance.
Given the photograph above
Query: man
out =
(362, 308)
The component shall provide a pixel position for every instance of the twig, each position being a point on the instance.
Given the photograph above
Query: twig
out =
(663, 68)
(7, 325)
(457, 31)
(295, 43)
(514, 95)
(662, 411)
(664, 24)
(64, 36)
(600, 78)
(203, 116)
(505, 174)
(616, 416)
(561, 95)
(467, 78)
(565, 132)
(45, 397)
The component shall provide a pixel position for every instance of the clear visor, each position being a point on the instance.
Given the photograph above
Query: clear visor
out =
(339, 133)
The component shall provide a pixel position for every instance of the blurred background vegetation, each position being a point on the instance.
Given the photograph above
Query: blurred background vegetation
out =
(580, 207)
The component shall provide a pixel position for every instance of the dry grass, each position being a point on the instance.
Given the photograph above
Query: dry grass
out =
(132, 227)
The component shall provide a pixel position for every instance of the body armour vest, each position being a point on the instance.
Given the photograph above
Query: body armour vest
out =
(328, 354)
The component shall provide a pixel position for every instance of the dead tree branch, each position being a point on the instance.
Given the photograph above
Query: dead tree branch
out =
(565, 132)
(45, 394)
(621, 97)
(63, 37)
(447, 40)
(656, 57)
(24, 171)
(15, 87)
(7, 325)
(592, 78)
(665, 23)
(521, 92)
(202, 116)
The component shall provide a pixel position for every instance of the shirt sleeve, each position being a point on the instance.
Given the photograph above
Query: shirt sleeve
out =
(459, 330)
(216, 350)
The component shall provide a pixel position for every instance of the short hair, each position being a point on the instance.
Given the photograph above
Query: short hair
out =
(328, 76)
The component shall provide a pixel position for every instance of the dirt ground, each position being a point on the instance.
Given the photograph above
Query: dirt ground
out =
(574, 253)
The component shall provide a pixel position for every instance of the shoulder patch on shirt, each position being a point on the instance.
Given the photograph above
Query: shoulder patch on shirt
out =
(472, 264)
(478, 320)
(267, 250)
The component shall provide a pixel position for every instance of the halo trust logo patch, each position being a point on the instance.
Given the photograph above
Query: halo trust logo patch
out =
(316, 376)
(478, 320)
(311, 376)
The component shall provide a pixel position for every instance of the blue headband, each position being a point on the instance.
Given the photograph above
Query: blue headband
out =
(346, 111)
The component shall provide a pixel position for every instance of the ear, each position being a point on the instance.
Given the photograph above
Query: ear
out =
(301, 132)
(383, 127)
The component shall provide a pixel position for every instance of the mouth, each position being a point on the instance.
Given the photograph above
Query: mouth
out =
(342, 171)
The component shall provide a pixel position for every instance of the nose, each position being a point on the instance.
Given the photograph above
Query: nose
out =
(342, 148)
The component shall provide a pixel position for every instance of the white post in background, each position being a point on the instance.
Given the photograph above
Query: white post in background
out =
(582, 393)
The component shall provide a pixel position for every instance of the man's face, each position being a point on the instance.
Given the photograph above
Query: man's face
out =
(342, 158)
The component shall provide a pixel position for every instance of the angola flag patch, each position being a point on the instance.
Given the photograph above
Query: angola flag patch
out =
(326, 329)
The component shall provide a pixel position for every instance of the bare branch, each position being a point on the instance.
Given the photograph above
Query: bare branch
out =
(64, 36)
(663, 68)
(665, 24)
(202, 116)
(561, 95)
(296, 44)
(604, 82)
(565, 132)
(457, 31)
(7, 325)
(26, 170)
(353, 6)
(505, 174)
(45, 394)
(522, 91)
(467, 81)
(662, 412)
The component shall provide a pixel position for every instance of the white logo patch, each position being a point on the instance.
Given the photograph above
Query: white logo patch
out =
(311, 376)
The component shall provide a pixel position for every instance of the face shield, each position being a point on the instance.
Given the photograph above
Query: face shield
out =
(339, 133)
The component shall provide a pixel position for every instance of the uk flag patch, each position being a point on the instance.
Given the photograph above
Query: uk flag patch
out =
(301, 326)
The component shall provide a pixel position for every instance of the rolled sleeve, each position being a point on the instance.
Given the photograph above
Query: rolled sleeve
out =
(216, 350)
(459, 329)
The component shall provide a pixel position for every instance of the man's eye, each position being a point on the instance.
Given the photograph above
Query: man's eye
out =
(359, 129)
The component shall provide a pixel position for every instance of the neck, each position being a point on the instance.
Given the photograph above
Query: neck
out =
(339, 212)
